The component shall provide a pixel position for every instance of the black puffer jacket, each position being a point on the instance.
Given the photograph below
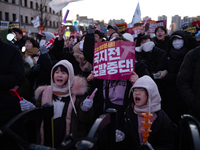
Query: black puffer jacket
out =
(172, 103)
(161, 44)
(12, 73)
(188, 82)
(162, 136)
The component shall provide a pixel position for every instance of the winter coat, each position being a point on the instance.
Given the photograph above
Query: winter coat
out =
(188, 82)
(162, 135)
(151, 59)
(63, 54)
(172, 102)
(46, 62)
(88, 47)
(12, 73)
(99, 101)
(161, 44)
(85, 66)
(163, 130)
(75, 124)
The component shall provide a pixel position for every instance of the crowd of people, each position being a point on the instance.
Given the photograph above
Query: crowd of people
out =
(165, 82)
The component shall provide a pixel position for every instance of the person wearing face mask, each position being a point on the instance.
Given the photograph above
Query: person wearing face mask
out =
(149, 53)
(179, 46)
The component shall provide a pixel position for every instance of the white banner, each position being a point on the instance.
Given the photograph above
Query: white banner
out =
(136, 16)
(58, 5)
(4, 24)
(36, 22)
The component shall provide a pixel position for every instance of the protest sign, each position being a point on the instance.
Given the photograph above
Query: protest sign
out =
(134, 31)
(113, 60)
(154, 24)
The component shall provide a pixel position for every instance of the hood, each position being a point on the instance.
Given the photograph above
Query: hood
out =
(179, 33)
(65, 90)
(154, 98)
(48, 35)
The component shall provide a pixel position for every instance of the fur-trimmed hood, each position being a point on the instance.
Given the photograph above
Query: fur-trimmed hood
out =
(79, 87)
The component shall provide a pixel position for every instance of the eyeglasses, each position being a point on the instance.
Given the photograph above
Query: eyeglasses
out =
(141, 90)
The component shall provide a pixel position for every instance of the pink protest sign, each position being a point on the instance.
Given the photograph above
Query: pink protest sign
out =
(154, 24)
(113, 60)
(134, 31)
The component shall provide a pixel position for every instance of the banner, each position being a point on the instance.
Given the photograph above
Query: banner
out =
(13, 25)
(191, 29)
(197, 23)
(58, 5)
(36, 22)
(4, 24)
(113, 60)
(122, 27)
(24, 32)
(134, 31)
(136, 16)
(154, 24)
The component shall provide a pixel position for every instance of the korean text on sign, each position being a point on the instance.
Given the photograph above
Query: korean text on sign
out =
(114, 60)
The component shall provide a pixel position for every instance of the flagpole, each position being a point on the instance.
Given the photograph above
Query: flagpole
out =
(19, 13)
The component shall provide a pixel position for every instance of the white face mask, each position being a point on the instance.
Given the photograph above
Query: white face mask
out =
(178, 43)
(42, 43)
(81, 45)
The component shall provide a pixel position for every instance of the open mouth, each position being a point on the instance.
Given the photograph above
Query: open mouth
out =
(137, 99)
(59, 80)
(159, 36)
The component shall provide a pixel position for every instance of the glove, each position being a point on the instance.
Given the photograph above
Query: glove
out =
(43, 49)
(87, 104)
(119, 136)
(146, 146)
(150, 146)
(90, 29)
(25, 105)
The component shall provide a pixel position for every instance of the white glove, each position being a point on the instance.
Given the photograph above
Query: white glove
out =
(119, 136)
(150, 146)
(87, 104)
(25, 105)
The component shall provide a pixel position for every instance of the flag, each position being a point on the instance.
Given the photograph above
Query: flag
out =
(136, 16)
(29, 32)
(185, 23)
(59, 5)
(36, 22)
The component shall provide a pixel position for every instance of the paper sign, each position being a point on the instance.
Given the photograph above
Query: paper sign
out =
(154, 24)
(113, 60)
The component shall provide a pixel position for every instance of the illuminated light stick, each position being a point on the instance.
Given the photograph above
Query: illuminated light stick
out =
(146, 124)
(50, 43)
(15, 91)
(92, 95)
(145, 22)
(66, 14)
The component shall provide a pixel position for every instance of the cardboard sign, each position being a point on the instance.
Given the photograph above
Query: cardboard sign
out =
(113, 60)
(154, 24)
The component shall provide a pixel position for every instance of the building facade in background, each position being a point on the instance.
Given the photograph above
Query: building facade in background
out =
(24, 11)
